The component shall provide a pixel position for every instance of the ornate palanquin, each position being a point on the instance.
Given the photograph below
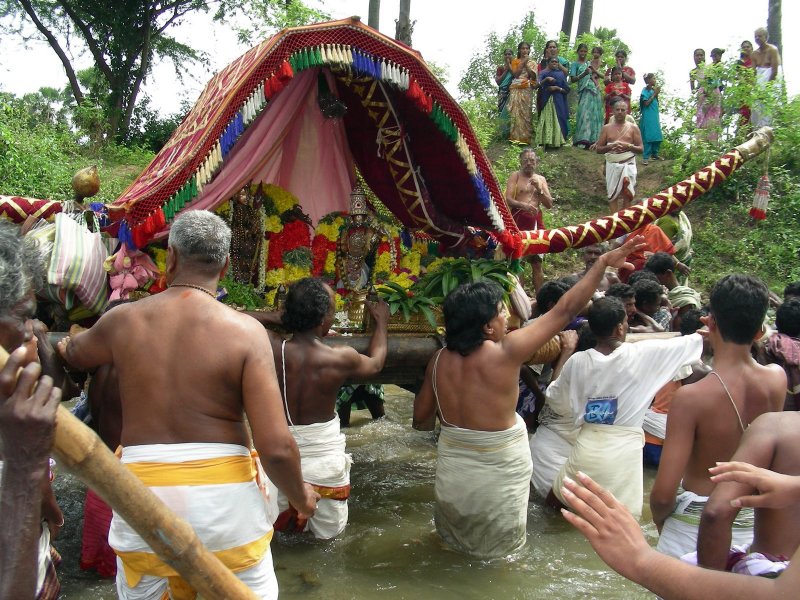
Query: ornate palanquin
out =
(410, 140)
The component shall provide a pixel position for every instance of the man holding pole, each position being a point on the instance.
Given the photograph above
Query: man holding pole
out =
(183, 399)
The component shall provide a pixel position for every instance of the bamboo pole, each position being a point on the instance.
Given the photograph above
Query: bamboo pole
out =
(80, 449)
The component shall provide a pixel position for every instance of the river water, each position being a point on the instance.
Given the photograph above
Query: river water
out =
(390, 550)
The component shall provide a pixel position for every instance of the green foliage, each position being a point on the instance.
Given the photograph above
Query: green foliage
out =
(407, 301)
(478, 80)
(241, 294)
(39, 157)
(261, 19)
(149, 129)
(450, 274)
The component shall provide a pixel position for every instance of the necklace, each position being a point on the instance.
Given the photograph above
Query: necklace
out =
(195, 287)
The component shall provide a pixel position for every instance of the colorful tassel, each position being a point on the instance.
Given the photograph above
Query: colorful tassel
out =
(761, 199)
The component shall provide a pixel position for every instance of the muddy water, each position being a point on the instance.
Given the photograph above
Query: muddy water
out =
(389, 551)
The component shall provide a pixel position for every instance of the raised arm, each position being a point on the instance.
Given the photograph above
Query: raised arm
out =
(375, 358)
(522, 343)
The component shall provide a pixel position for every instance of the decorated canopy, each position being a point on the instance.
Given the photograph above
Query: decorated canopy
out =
(301, 110)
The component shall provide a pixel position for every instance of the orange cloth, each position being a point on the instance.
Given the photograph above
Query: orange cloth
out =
(661, 404)
(656, 240)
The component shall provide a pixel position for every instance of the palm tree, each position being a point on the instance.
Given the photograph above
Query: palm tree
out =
(374, 19)
(566, 22)
(585, 17)
(774, 23)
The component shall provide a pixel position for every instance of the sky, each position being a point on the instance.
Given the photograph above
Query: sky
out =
(662, 37)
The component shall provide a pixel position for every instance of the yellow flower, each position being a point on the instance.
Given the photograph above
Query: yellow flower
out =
(383, 263)
(401, 279)
(294, 272)
(420, 247)
(411, 262)
(330, 264)
(270, 297)
(329, 230)
(281, 198)
(224, 210)
(438, 263)
(339, 302)
(274, 278)
(160, 258)
(273, 224)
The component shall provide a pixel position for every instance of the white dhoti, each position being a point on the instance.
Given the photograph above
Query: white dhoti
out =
(620, 175)
(550, 449)
(679, 534)
(759, 114)
(612, 456)
(655, 423)
(482, 488)
(326, 466)
(216, 488)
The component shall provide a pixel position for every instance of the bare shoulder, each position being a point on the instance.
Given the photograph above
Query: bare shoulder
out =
(689, 399)
(342, 355)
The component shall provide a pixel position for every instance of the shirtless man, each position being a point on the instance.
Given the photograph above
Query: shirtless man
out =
(620, 141)
(772, 442)
(526, 192)
(484, 464)
(313, 373)
(766, 55)
(707, 418)
(590, 255)
(766, 61)
(189, 368)
(28, 512)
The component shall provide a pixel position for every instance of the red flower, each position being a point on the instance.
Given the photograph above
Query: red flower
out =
(409, 294)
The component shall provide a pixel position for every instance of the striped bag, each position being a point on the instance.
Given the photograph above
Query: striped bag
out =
(77, 261)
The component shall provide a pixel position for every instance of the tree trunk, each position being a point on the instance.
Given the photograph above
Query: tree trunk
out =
(774, 24)
(566, 22)
(404, 25)
(374, 14)
(585, 17)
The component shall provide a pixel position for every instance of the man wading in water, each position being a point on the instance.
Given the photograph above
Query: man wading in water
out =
(484, 464)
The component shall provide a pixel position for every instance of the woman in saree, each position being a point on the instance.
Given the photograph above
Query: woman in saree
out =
(550, 51)
(503, 79)
(589, 116)
(709, 100)
(520, 102)
(552, 128)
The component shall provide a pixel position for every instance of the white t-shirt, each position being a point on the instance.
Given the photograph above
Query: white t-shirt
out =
(617, 389)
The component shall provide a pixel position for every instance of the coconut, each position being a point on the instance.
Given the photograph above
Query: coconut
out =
(86, 183)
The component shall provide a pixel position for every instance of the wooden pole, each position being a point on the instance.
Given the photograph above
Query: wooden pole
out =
(80, 449)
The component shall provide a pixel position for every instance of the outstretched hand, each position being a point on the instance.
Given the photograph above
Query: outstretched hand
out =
(616, 258)
(379, 310)
(607, 523)
(775, 490)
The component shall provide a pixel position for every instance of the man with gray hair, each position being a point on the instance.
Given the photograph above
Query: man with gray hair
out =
(27, 418)
(189, 368)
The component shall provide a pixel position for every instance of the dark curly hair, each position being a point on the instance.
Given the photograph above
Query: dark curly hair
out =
(307, 304)
(605, 314)
(787, 318)
(739, 304)
(466, 310)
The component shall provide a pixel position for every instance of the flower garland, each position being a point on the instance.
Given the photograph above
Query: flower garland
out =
(323, 248)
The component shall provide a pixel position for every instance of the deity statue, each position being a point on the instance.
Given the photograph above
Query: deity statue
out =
(247, 236)
(357, 243)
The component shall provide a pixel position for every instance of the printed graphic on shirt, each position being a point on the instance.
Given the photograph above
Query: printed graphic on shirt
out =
(601, 411)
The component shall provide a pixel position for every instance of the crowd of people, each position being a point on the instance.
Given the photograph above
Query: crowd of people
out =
(525, 83)
(244, 431)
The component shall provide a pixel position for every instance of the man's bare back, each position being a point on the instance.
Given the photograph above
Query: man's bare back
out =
(773, 442)
(755, 390)
(175, 385)
(479, 391)
(315, 371)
